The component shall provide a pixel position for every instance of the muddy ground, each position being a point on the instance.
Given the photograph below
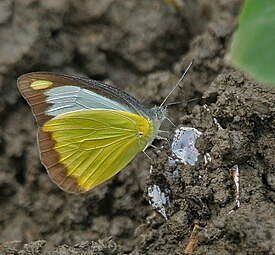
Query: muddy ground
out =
(141, 47)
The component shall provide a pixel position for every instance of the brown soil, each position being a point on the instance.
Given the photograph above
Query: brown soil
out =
(141, 47)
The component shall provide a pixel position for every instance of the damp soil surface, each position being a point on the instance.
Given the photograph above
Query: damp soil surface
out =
(141, 47)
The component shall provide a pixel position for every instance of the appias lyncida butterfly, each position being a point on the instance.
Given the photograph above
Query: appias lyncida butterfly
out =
(88, 131)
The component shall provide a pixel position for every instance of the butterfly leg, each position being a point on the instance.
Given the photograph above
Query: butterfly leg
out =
(147, 155)
(162, 138)
(171, 122)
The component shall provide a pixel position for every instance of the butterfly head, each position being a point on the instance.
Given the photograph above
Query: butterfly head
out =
(157, 115)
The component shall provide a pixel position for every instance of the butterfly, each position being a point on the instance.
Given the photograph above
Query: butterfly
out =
(88, 131)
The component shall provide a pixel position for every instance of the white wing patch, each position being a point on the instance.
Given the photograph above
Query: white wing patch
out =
(66, 99)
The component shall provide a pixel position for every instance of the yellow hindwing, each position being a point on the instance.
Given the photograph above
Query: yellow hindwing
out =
(93, 145)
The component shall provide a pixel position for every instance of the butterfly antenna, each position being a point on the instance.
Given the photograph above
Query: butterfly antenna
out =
(193, 99)
(174, 103)
(177, 84)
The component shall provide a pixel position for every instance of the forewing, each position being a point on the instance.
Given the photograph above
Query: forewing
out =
(85, 148)
(51, 94)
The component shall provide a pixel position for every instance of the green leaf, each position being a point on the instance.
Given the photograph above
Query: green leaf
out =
(253, 46)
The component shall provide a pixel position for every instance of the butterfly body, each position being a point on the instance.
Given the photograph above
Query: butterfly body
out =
(88, 131)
